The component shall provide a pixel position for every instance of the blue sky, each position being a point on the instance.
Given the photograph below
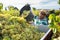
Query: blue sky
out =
(39, 4)
(50, 4)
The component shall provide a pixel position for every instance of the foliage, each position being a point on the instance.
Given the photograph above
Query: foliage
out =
(55, 25)
(57, 12)
(35, 12)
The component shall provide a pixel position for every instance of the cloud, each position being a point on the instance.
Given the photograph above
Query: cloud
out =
(34, 3)
(48, 5)
(54, 3)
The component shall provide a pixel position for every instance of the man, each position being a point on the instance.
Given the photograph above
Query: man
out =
(27, 13)
(41, 19)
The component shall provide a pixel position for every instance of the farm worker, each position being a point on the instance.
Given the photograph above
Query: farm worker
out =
(41, 19)
(27, 13)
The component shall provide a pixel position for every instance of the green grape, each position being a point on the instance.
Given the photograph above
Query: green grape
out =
(58, 18)
(16, 13)
(17, 36)
(52, 17)
(4, 31)
(11, 26)
(11, 31)
(0, 25)
(13, 36)
(6, 38)
(27, 30)
(7, 27)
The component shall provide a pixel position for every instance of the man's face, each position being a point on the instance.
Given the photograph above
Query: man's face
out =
(42, 15)
(25, 13)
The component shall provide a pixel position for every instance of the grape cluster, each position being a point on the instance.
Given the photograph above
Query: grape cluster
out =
(13, 27)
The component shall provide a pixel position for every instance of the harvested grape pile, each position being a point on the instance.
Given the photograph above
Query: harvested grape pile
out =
(13, 27)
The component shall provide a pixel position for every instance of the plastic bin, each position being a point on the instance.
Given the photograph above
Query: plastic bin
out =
(44, 28)
(48, 32)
